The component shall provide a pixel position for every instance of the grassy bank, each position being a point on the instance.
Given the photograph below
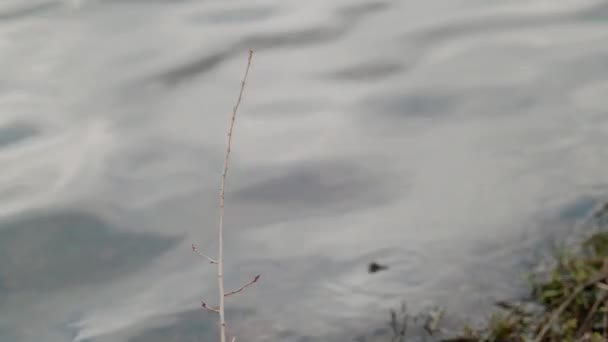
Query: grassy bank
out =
(569, 303)
(573, 302)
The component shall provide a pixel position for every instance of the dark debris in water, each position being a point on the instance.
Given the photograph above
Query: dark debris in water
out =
(374, 267)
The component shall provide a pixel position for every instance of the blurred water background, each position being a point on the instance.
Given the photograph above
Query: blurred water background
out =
(448, 139)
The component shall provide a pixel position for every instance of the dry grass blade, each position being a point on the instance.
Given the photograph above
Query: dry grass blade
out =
(555, 315)
(601, 297)
(393, 323)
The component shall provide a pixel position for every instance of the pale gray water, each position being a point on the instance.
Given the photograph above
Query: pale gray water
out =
(444, 138)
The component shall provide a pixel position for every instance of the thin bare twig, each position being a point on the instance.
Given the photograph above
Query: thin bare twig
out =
(255, 279)
(220, 257)
(195, 250)
(210, 308)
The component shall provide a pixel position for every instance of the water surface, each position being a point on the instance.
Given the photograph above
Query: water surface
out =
(448, 139)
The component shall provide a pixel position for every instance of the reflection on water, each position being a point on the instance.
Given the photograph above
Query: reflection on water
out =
(13, 134)
(43, 253)
(453, 141)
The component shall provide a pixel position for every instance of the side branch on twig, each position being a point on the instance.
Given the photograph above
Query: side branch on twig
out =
(195, 250)
(210, 308)
(255, 279)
